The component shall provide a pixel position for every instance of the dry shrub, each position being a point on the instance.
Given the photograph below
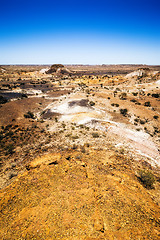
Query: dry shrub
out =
(147, 178)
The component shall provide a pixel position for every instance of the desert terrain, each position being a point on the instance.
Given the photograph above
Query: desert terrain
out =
(80, 152)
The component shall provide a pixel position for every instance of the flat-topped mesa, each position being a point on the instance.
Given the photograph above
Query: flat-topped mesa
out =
(54, 68)
(59, 69)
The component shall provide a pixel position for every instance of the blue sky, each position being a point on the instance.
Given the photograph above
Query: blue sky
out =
(80, 32)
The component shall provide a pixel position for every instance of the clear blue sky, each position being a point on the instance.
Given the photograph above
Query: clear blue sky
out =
(79, 32)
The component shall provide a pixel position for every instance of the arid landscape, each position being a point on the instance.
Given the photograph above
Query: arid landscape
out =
(80, 152)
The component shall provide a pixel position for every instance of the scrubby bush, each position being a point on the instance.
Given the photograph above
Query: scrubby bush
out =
(147, 104)
(24, 95)
(95, 135)
(123, 111)
(63, 125)
(10, 149)
(1, 162)
(137, 103)
(74, 146)
(136, 120)
(82, 149)
(156, 95)
(133, 100)
(12, 174)
(8, 127)
(146, 178)
(3, 100)
(1, 136)
(135, 93)
(92, 103)
(115, 104)
(142, 121)
(155, 117)
(29, 115)
(87, 144)
(123, 96)
(75, 137)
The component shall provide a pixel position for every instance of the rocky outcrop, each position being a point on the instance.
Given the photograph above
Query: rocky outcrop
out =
(59, 69)
(141, 72)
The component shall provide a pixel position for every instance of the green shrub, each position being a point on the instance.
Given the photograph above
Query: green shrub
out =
(146, 178)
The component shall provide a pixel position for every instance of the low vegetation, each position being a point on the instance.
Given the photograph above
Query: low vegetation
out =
(146, 178)
(29, 115)
(124, 111)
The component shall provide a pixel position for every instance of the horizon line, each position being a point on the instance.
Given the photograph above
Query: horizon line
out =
(71, 64)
